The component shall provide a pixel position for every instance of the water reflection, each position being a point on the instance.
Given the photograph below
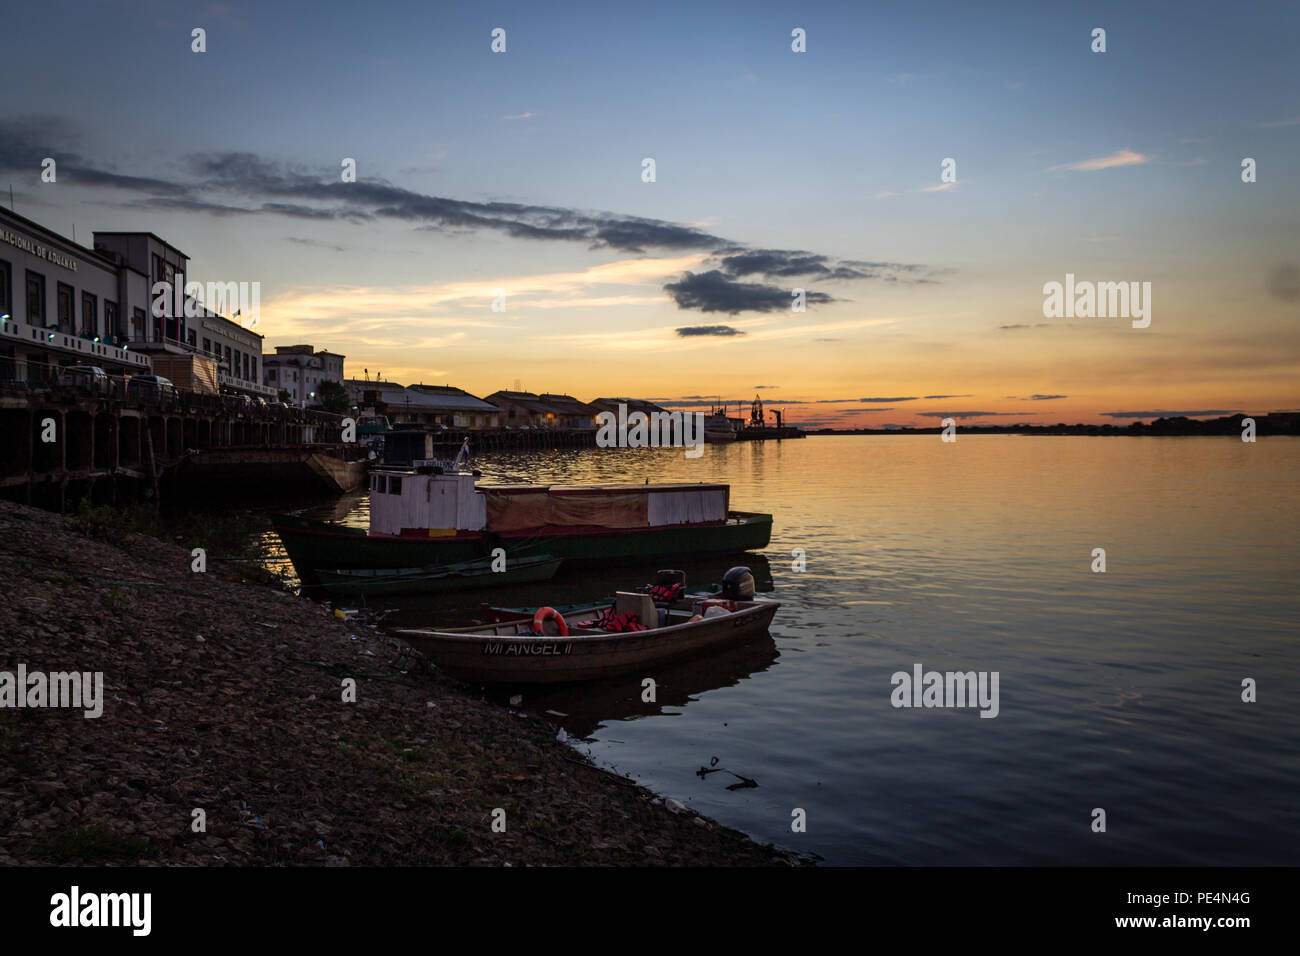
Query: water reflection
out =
(582, 709)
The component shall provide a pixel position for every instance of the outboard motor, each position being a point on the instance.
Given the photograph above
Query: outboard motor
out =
(669, 578)
(738, 584)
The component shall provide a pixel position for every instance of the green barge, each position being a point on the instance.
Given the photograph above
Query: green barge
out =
(419, 520)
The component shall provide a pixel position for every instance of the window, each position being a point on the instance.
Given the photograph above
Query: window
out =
(229, 364)
(207, 345)
(270, 375)
(112, 321)
(394, 486)
(254, 375)
(190, 337)
(89, 315)
(137, 324)
(35, 299)
(65, 317)
(6, 289)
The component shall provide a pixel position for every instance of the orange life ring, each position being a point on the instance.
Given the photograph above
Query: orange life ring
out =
(549, 613)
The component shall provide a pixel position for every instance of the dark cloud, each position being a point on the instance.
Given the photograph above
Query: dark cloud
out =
(760, 387)
(904, 398)
(1038, 325)
(243, 183)
(962, 414)
(316, 243)
(1169, 414)
(26, 142)
(689, 330)
(714, 292)
(946, 396)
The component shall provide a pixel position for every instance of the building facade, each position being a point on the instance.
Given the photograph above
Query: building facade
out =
(435, 406)
(62, 304)
(185, 324)
(300, 370)
(526, 410)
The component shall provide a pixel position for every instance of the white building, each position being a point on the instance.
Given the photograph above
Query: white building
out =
(63, 304)
(192, 328)
(299, 370)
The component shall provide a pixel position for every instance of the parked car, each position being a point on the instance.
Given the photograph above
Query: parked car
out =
(89, 377)
(150, 387)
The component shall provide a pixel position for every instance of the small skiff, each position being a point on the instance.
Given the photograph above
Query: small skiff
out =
(511, 652)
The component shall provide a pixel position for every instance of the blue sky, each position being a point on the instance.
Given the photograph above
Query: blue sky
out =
(834, 152)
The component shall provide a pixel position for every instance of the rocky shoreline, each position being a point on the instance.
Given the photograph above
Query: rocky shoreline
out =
(227, 697)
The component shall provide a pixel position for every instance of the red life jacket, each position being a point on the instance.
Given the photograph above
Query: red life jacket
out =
(611, 620)
(665, 593)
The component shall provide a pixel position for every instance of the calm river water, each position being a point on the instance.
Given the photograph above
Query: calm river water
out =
(1119, 690)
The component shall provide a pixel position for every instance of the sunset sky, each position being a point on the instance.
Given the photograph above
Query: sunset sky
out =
(522, 171)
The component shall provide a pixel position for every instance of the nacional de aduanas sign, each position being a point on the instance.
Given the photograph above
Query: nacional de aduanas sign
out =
(41, 252)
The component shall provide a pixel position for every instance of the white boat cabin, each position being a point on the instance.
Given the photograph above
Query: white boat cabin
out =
(447, 502)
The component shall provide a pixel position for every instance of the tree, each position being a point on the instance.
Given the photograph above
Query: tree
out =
(333, 397)
(284, 396)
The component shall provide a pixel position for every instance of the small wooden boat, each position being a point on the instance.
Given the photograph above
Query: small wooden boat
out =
(438, 578)
(511, 652)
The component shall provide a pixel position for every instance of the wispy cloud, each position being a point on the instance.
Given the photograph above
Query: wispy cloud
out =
(1123, 157)
(720, 330)
(520, 116)
(965, 415)
(1285, 122)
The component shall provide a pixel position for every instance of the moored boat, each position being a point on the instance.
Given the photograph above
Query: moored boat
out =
(595, 643)
(440, 578)
(439, 514)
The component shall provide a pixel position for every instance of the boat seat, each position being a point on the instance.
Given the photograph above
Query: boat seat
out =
(642, 605)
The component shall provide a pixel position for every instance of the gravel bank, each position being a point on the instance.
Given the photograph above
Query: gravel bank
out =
(225, 696)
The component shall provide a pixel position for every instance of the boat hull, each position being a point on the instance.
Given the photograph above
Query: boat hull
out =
(316, 545)
(478, 574)
(481, 656)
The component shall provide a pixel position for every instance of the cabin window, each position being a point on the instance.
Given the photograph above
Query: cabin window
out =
(394, 486)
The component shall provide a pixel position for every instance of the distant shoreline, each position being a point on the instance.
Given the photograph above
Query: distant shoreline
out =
(1276, 423)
